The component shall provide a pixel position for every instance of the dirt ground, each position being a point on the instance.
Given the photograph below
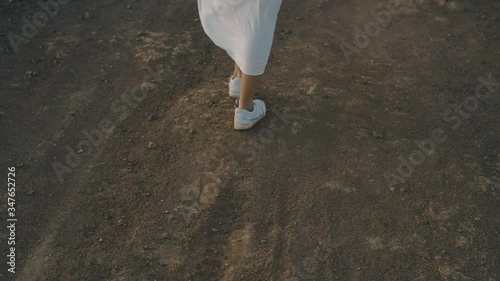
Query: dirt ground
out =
(378, 159)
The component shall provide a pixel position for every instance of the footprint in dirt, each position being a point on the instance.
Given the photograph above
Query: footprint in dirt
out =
(198, 196)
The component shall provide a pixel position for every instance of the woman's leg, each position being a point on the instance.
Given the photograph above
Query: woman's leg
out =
(249, 110)
(237, 71)
(249, 87)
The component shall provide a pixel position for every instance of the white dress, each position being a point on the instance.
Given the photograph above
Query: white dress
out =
(244, 28)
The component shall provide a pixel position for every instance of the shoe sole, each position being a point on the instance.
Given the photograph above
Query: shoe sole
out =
(235, 95)
(241, 127)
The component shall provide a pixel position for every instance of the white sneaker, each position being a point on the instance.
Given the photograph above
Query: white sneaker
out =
(234, 87)
(244, 119)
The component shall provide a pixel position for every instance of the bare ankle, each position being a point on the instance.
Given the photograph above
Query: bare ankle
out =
(245, 105)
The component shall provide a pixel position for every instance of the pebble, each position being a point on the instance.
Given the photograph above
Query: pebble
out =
(87, 16)
(30, 73)
(148, 86)
(2, 114)
(151, 145)
(152, 117)
(377, 135)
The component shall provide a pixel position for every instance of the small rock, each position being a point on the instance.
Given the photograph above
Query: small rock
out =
(377, 134)
(147, 86)
(152, 117)
(214, 229)
(30, 73)
(151, 145)
(80, 151)
(87, 16)
(129, 7)
(2, 114)
(30, 192)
